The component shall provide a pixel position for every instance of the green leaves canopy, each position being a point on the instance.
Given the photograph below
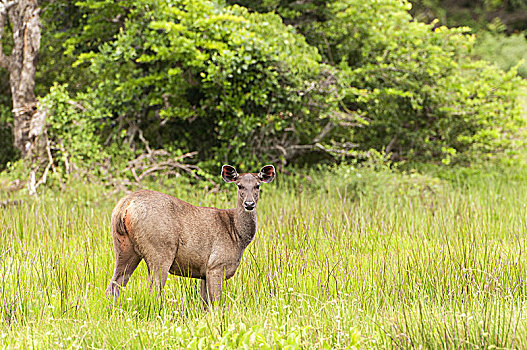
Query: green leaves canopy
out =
(193, 75)
(341, 78)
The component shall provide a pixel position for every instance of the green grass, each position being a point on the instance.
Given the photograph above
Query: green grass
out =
(352, 259)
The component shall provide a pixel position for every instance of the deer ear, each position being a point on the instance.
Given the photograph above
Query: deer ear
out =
(229, 173)
(267, 173)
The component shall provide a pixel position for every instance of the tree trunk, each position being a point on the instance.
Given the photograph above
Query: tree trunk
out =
(23, 15)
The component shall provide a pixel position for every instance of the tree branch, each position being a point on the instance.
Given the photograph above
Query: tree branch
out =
(390, 146)
(147, 164)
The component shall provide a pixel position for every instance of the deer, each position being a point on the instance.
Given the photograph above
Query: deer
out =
(173, 236)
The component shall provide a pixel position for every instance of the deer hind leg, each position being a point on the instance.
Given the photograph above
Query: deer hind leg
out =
(126, 261)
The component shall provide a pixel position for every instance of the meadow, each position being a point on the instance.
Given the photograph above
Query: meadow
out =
(349, 258)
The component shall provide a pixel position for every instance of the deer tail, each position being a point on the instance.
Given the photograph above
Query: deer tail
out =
(119, 218)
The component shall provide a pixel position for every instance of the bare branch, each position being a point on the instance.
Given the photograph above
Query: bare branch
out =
(65, 157)
(343, 149)
(145, 142)
(33, 184)
(390, 146)
(329, 126)
(147, 165)
(76, 104)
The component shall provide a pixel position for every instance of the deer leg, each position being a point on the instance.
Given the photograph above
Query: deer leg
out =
(204, 294)
(126, 261)
(214, 281)
(158, 273)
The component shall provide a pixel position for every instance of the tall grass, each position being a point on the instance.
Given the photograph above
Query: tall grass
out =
(352, 259)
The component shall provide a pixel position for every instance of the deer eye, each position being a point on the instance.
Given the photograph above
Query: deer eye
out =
(257, 186)
(240, 187)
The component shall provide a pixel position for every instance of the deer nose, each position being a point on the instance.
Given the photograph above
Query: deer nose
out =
(249, 205)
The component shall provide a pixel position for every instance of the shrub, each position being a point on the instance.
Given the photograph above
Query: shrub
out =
(193, 75)
(242, 87)
(411, 89)
(417, 87)
(72, 131)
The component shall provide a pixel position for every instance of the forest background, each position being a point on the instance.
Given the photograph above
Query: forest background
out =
(185, 86)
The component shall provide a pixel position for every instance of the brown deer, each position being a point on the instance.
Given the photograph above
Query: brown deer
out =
(173, 236)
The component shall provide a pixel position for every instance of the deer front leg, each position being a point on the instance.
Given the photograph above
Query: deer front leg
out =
(204, 294)
(214, 281)
(158, 269)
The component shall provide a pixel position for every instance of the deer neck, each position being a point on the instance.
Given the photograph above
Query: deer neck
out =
(245, 224)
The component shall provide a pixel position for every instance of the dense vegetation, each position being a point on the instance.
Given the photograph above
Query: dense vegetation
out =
(309, 83)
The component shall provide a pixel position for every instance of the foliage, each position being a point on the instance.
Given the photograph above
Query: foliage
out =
(62, 23)
(317, 81)
(193, 75)
(420, 92)
(300, 14)
(72, 131)
(474, 13)
(498, 24)
(408, 88)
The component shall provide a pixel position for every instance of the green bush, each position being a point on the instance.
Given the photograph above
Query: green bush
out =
(338, 79)
(71, 130)
(417, 87)
(194, 75)
(410, 89)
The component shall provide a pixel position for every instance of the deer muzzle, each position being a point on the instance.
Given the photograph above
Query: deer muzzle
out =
(249, 206)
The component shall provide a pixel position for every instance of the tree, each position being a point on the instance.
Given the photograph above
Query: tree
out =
(24, 20)
(198, 76)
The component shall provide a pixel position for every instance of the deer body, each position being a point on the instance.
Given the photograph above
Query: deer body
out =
(173, 236)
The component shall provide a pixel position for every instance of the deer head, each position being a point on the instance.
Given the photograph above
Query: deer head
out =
(248, 184)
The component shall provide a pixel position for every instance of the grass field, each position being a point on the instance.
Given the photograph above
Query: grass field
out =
(351, 259)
